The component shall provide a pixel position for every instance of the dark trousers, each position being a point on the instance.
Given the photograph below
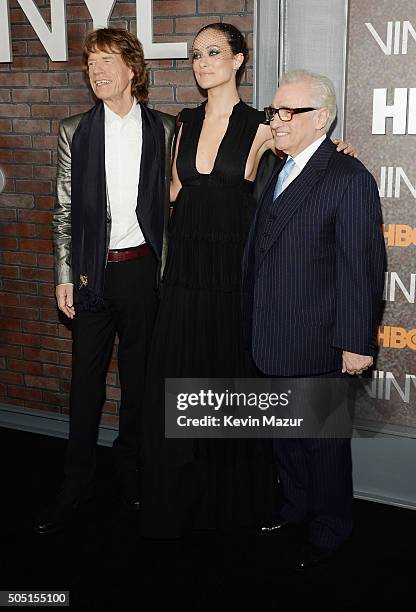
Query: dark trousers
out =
(131, 304)
(316, 480)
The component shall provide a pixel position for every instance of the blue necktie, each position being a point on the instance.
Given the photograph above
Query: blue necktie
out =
(283, 174)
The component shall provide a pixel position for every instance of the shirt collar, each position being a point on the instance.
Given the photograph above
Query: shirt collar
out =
(134, 114)
(302, 158)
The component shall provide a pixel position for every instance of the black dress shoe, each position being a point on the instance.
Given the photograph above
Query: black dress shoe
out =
(278, 526)
(129, 488)
(55, 517)
(130, 503)
(312, 556)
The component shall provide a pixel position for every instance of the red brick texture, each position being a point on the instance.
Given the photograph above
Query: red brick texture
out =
(35, 93)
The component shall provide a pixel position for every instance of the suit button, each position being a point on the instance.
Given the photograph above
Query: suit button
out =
(271, 218)
(265, 235)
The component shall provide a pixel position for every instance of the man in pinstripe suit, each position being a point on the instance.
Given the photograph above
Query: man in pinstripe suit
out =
(313, 274)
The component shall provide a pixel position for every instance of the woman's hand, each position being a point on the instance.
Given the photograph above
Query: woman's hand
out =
(345, 147)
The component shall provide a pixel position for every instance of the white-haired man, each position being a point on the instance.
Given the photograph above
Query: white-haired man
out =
(313, 280)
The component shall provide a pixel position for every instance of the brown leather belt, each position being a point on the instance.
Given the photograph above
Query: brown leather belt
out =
(127, 254)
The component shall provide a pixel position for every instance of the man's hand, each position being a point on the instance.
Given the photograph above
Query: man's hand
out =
(345, 147)
(65, 299)
(355, 364)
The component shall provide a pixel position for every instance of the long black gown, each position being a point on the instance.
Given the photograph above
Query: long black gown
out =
(204, 483)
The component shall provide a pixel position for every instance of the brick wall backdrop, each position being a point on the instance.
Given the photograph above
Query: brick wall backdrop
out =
(35, 93)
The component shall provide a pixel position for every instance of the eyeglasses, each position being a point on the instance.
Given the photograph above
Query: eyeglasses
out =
(285, 114)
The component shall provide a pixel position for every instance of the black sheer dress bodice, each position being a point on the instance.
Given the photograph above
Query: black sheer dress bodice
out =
(208, 230)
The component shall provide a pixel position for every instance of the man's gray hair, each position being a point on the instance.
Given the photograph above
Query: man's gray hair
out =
(322, 90)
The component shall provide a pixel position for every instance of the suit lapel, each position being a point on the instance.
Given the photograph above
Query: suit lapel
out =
(148, 154)
(275, 170)
(296, 194)
(269, 176)
(149, 210)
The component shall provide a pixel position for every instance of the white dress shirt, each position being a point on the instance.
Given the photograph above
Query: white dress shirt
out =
(123, 152)
(302, 159)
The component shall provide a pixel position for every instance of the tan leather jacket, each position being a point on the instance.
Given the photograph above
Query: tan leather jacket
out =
(62, 211)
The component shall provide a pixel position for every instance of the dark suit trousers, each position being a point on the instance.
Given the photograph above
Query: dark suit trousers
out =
(316, 479)
(131, 304)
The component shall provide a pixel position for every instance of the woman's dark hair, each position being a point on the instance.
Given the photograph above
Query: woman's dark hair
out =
(235, 39)
(130, 48)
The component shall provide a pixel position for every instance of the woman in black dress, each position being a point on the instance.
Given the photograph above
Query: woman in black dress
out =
(207, 483)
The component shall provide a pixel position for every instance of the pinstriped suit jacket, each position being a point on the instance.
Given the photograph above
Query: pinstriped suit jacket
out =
(313, 267)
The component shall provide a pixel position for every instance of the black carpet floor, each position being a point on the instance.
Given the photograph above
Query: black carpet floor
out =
(105, 565)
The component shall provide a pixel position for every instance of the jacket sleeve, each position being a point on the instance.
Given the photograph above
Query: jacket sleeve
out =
(62, 211)
(360, 265)
(169, 127)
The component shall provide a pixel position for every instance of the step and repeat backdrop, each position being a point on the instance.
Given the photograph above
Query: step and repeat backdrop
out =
(381, 122)
(41, 82)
